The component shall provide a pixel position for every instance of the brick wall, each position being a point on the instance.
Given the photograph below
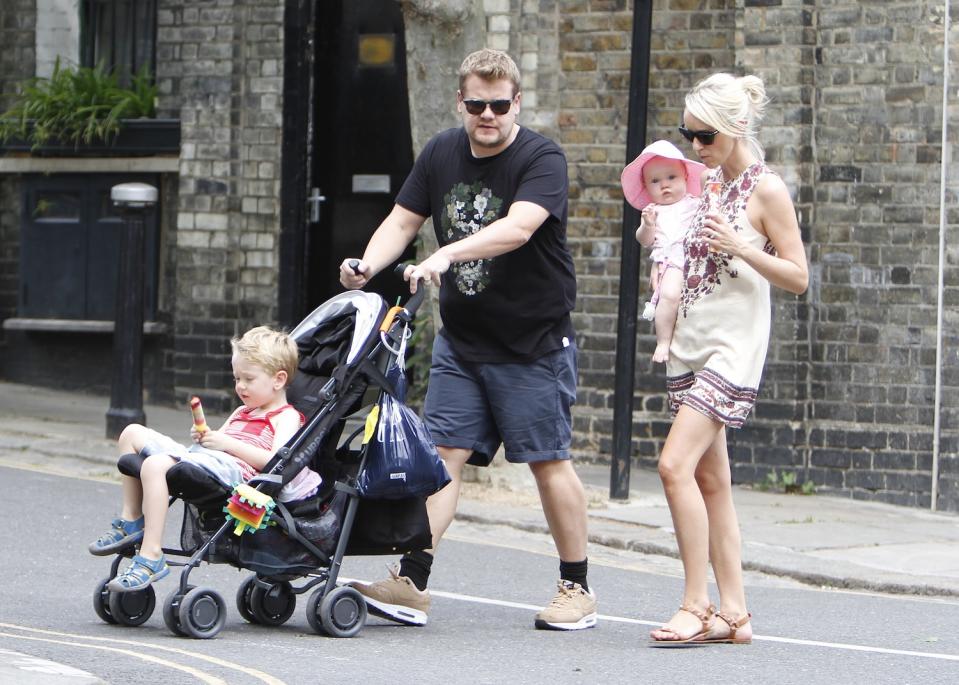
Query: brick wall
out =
(218, 70)
(875, 249)
(854, 129)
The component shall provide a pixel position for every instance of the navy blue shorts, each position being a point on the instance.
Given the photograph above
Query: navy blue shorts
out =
(525, 406)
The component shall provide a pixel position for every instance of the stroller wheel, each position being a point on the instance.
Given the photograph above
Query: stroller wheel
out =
(341, 613)
(132, 608)
(101, 601)
(202, 613)
(171, 611)
(243, 594)
(273, 607)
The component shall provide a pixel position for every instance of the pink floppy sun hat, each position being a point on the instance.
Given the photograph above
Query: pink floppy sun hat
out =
(632, 179)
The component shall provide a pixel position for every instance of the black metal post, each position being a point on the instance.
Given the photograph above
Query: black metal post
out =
(629, 263)
(296, 159)
(133, 200)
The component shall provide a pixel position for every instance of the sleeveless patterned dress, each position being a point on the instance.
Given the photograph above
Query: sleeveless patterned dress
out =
(718, 349)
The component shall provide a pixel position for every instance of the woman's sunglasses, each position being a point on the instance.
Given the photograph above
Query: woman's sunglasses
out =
(704, 137)
(477, 107)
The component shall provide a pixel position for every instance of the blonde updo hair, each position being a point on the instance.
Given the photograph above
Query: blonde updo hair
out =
(732, 105)
(269, 349)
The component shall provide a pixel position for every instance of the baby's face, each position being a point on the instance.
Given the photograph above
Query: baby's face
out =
(665, 180)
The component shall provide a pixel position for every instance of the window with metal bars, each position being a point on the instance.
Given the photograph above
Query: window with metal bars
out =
(121, 34)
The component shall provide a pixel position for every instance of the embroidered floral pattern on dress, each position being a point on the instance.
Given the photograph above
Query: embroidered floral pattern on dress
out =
(468, 209)
(711, 394)
(704, 270)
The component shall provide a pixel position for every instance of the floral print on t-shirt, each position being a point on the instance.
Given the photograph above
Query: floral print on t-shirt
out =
(468, 209)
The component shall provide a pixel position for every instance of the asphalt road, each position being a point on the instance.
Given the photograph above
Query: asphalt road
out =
(487, 583)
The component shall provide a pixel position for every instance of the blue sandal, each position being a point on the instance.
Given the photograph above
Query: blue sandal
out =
(121, 535)
(139, 574)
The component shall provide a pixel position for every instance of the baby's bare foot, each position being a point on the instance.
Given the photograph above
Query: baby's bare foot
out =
(661, 353)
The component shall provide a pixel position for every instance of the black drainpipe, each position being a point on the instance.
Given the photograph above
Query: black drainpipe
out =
(629, 265)
(295, 159)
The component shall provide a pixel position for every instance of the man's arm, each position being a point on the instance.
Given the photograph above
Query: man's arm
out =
(389, 241)
(503, 235)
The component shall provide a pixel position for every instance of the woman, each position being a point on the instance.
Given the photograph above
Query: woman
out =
(744, 237)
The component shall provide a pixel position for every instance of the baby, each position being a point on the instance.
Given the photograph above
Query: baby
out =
(264, 361)
(665, 185)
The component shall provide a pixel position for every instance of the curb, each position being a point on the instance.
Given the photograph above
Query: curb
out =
(812, 578)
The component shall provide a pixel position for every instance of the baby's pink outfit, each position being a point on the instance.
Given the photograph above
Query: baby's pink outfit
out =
(672, 225)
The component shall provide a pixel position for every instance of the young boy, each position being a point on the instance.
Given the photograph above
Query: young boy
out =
(264, 361)
(665, 185)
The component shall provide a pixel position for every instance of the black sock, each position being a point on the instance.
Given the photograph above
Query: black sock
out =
(416, 566)
(574, 571)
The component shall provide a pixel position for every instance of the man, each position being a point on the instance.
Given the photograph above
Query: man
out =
(504, 364)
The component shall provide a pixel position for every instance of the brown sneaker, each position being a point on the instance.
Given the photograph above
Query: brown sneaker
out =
(396, 598)
(573, 608)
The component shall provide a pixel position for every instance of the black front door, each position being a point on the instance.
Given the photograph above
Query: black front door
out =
(362, 148)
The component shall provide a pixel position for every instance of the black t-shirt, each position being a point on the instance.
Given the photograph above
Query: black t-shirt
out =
(514, 307)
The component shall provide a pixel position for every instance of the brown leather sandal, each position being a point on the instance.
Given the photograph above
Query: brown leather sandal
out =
(705, 617)
(734, 625)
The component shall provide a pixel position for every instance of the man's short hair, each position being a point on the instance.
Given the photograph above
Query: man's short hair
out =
(490, 65)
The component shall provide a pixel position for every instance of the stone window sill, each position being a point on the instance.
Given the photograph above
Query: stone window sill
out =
(75, 326)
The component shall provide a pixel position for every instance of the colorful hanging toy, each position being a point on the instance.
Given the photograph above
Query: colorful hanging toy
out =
(251, 509)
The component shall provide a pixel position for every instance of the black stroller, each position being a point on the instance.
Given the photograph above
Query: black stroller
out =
(345, 346)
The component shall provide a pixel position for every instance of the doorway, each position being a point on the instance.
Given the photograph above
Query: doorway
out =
(362, 144)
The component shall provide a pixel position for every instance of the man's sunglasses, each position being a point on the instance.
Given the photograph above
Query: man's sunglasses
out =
(477, 107)
(704, 137)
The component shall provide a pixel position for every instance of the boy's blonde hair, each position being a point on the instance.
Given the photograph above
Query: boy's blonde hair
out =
(269, 349)
(490, 65)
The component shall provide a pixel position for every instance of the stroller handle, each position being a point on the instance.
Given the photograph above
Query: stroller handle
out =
(416, 299)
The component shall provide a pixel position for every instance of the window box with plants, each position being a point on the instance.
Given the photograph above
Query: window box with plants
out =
(84, 111)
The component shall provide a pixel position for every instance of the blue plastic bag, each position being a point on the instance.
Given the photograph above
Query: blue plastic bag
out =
(401, 459)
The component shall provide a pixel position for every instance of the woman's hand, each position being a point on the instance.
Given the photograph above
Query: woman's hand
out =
(721, 237)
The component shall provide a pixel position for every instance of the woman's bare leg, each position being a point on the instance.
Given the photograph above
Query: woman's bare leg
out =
(725, 542)
(689, 437)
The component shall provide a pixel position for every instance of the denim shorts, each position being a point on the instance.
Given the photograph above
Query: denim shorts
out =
(524, 406)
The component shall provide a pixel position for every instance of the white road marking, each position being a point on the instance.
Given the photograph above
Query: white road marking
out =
(196, 673)
(252, 672)
(655, 624)
(25, 662)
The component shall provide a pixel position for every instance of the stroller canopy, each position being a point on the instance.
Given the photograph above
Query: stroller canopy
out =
(370, 310)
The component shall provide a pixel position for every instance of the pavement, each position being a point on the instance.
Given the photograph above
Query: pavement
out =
(816, 539)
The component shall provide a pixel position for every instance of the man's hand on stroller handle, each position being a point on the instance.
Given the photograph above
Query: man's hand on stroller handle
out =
(429, 269)
(354, 273)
